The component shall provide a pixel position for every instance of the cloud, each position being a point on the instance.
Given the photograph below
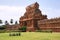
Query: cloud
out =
(15, 12)
(51, 12)
(8, 12)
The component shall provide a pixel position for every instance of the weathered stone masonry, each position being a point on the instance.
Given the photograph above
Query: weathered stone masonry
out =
(33, 19)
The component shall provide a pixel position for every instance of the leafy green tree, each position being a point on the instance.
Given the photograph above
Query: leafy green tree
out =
(23, 28)
(2, 27)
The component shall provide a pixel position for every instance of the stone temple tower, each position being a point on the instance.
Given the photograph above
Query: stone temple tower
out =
(31, 17)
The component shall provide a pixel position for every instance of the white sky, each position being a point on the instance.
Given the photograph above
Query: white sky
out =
(11, 12)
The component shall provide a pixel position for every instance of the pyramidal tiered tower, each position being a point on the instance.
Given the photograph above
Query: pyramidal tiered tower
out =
(31, 17)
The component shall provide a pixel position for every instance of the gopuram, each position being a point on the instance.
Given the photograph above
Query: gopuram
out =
(34, 20)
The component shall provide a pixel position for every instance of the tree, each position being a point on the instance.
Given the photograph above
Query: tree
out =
(1, 22)
(16, 22)
(23, 28)
(2, 27)
(11, 21)
(6, 22)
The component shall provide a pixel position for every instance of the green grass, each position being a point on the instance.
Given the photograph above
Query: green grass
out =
(31, 36)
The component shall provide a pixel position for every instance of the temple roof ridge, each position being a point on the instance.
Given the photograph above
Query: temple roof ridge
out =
(32, 5)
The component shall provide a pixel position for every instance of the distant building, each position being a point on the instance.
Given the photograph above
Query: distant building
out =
(34, 20)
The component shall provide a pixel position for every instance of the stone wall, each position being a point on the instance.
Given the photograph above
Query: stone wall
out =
(13, 27)
(50, 24)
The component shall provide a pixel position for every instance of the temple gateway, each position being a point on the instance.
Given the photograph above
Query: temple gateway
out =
(34, 20)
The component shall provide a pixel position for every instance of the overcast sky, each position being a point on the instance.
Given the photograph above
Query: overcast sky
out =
(14, 9)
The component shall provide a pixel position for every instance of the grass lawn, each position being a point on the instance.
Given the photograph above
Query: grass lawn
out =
(31, 36)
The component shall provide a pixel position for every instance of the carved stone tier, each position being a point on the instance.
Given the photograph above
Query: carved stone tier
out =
(31, 17)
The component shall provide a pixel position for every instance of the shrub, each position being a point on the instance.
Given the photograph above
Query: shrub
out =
(30, 31)
(50, 31)
(19, 34)
(38, 30)
(14, 34)
(23, 29)
(10, 34)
